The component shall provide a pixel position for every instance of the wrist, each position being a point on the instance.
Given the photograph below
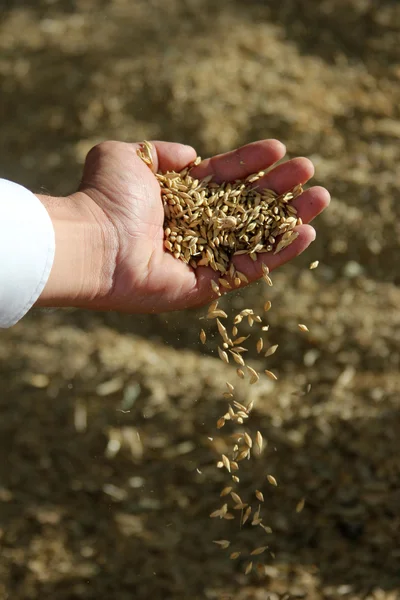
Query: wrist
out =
(84, 260)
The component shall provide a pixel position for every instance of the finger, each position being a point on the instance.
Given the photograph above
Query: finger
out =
(242, 162)
(286, 176)
(311, 203)
(170, 156)
(203, 292)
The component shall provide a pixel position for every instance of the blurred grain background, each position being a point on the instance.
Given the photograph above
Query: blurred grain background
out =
(81, 518)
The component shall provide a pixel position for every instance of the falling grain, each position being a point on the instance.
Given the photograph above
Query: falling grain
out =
(203, 337)
(223, 355)
(254, 376)
(226, 462)
(226, 491)
(240, 373)
(267, 306)
(314, 264)
(259, 441)
(260, 344)
(237, 358)
(258, 551)
(234, 555)
(248, 441)
(248, 568)
(271, 375)
(222, 543)
(303, 327)
(246, 515)
(259, 495)
(271, 350)
(272, 480)
(300, 505)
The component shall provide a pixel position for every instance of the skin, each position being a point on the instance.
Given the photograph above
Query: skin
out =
(109, 235)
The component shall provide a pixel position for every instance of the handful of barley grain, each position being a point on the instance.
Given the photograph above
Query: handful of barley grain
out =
(207, 223)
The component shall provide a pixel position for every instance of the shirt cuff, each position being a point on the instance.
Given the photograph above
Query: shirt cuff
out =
(27, 248)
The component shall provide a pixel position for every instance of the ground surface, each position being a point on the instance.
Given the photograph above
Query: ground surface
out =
(79, 520)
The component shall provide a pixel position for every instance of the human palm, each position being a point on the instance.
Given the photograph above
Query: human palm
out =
(146, 277)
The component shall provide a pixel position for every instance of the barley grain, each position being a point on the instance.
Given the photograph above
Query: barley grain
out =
(254, 376)
(224, 544)
(234, 555)
(223, 355)
(203, 337)
(227, 490)
(267, 306)
(237, 358)
(271, 375)
(259, 441)
(246, 515)
(226, 463)
(236, 498)
(248, 440)
(314, 264)
(215, 287)
(271, 350)
(260, 344)
(248, 568)
(258, 551)
(303, 327)
(300, 505)
(259, 495)
(272, 480)
(240, 373)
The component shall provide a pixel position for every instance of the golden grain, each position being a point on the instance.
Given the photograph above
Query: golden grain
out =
(303, 327)
(272, 480)
(254, 376)
(248, 568)
(248, 440)
(300, 505)
(226, 463)
(240, 340)
(259, 441)
(203, 337)
(240, 373)
(260, 344)
(222, 543)
(267, 306)
(225, 283)
(235, 478)
(314, 264)
(223, 355)
(230, 387)
(271, 350)
(271, 375)
(259, 495)
(236, 498)
(215, 287)
(234, 555)
(258, 551)
(227, 490)
(237, 358)
(246, 515)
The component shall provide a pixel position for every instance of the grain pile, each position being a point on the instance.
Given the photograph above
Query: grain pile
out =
(206, 224)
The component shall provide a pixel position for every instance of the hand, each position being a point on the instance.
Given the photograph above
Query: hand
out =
(135, 273)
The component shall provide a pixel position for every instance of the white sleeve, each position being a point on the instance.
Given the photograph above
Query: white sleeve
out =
(27, 248)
